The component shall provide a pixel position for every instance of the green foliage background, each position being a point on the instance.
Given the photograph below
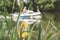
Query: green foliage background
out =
(50, 21)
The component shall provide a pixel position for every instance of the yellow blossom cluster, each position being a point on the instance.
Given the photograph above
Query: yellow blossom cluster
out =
(24, 34)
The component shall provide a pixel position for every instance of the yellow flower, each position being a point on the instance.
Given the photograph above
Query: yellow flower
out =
(24, 35)
(25, 24)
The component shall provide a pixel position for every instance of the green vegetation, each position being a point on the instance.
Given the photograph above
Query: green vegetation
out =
(49, 27)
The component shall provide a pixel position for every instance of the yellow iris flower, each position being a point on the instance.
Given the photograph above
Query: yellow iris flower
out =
(24, 35)
(24, 24)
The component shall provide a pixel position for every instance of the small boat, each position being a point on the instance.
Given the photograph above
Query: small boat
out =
(29, 16)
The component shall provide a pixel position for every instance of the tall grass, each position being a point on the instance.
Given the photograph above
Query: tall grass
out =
(48, 28)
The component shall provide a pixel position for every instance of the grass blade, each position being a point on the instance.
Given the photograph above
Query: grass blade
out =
(31, 31)
(39, 32)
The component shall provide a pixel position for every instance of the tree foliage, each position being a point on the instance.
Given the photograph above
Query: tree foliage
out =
(44, 5)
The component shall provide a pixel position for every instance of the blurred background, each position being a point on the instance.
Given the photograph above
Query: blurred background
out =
(49, 25)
